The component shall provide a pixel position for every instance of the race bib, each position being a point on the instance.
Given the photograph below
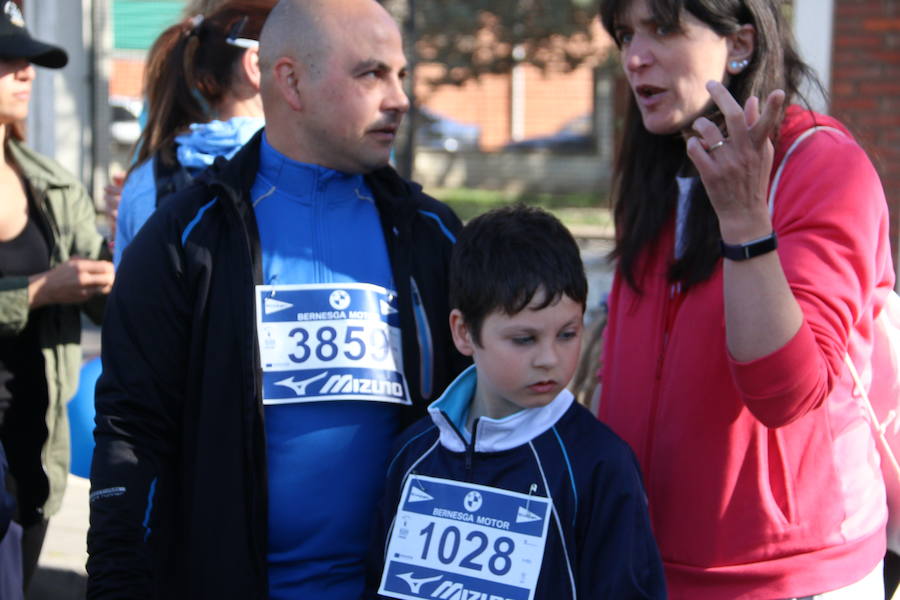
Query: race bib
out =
(461, 540)
(321, 342)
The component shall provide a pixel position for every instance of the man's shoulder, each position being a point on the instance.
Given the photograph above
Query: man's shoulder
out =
(192, 214)
(183, 205)
(226, 180)
(423, 431)
(407, 197)
(414, 440)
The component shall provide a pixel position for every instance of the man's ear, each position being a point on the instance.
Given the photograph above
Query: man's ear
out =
(741, 45)
(287, 81)
(462, 337)
(250, 65)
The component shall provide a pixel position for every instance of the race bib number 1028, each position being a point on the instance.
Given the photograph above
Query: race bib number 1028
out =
(455, 540)
(322, 342)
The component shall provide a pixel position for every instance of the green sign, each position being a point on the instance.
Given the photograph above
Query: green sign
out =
(137, 23)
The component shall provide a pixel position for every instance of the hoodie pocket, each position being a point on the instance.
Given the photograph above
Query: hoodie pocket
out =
(780, 488)
(423, 335)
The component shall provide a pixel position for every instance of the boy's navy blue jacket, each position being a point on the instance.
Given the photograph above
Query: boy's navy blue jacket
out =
(599, 541)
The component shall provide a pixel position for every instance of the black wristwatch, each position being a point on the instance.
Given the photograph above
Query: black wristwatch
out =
(750, 249)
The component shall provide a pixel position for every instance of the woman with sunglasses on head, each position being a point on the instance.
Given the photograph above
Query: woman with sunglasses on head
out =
(51, 268)
(730, 318)
(202, 89)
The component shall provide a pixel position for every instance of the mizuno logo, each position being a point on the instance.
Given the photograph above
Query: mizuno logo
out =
(348, 384)
(449, 590)
(299, 387)
(415, 583)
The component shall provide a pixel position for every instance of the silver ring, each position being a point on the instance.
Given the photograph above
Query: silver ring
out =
(716, 146)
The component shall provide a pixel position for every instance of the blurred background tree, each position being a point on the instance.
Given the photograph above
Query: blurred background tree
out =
(470, 38)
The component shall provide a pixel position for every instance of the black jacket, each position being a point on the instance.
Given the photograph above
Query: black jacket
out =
(7, 501)
(178, 481)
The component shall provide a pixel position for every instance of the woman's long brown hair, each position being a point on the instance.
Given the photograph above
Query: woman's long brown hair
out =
(644, 188)
(189, 70)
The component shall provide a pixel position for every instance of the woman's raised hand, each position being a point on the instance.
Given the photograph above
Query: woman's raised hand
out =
(734, 165)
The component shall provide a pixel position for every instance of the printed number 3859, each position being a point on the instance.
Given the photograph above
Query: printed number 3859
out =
(326, 347)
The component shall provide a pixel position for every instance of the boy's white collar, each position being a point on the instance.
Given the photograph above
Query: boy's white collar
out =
(492, 435)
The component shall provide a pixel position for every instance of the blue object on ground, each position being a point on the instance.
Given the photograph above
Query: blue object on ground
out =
(81, 419)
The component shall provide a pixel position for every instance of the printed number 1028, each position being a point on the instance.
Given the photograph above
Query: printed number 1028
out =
(448, 547)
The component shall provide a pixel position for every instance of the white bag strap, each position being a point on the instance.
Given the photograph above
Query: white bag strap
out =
(790, 150)
(877, 428)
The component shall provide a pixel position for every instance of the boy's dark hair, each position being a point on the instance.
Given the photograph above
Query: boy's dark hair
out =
(502, 258)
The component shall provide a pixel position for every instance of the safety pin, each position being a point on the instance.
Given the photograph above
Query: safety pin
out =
(417, 481)
(531, 490)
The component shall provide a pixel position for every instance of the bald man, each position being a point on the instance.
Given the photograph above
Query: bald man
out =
(271, 330)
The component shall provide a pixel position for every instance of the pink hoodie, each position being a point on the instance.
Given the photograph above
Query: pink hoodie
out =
(762, 477)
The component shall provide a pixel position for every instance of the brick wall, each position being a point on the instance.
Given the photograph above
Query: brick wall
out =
(865, 87)
(550, 99)
(556, 97)
(485, 102)
(127, 77)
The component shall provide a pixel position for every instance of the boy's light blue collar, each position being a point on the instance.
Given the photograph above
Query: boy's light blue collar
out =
(449, 413)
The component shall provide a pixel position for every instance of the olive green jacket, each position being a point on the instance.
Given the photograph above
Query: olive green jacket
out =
(70, 214)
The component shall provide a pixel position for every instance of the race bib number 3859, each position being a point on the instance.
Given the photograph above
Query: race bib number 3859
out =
(459, 540)
(320, 342)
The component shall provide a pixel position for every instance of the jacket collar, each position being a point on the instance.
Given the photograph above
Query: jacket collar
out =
(449, 413)
(392, 192)
(42, 172)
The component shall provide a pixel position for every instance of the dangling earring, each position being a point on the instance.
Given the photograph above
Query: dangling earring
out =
(738, 65)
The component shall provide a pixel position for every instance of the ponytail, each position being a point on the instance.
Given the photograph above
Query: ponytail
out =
(189, 69)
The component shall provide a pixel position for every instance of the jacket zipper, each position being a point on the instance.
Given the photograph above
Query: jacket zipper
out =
(470, 446)
(670, 308)
(224, 194)
(55, 255)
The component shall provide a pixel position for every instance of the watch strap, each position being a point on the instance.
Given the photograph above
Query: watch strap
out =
(751, 249)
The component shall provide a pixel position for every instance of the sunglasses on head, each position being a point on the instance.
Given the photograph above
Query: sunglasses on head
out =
(234, 35)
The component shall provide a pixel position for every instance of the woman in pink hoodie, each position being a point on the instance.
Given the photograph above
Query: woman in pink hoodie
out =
(730, 318)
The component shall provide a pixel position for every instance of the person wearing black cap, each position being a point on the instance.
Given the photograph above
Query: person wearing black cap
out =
(51, 266)
(16, 42)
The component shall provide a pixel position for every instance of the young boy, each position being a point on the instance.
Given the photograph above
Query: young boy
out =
(510, 490)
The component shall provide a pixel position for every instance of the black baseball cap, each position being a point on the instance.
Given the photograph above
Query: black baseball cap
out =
(16, 42)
